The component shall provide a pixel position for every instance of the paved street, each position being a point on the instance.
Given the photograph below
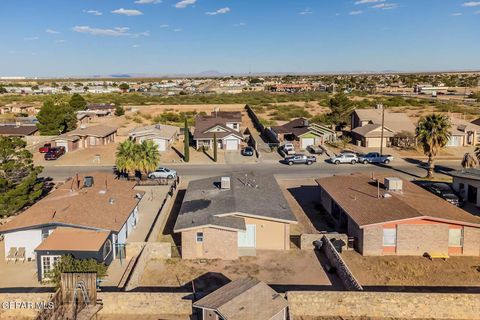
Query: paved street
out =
(399, 167)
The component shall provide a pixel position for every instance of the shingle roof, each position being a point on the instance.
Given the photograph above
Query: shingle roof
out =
(74, 239)
(357, 194)
(100, 131)
(204, 123)
(206, 204)
(106, 205)
(473, 174)
(370, 131)
(156, 131)
(18, 131)
(397, 122)
(244, 299)
(296, 127)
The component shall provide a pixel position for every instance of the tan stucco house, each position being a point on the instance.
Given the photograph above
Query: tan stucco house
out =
(228, 217)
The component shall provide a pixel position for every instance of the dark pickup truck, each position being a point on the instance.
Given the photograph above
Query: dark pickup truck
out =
(300, 159)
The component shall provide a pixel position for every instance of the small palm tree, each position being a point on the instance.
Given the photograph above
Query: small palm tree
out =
(127, 157)
(469, 161)
(148, 157)
(433, 133)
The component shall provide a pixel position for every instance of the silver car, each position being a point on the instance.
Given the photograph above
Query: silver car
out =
(163, 173)
(344, 158)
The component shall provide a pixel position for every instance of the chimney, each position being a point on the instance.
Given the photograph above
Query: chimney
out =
(305, 123)
(88, 182)
(225, 183)
(393, 184)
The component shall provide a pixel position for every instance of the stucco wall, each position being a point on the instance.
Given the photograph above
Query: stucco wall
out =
(217, 244)
(471, 241)
(372, 242)
(270, 235)
(466, 182)
(29, 239)
(415, 239)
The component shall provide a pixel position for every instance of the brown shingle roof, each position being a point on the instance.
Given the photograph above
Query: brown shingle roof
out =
(106, 205)
(74, 239)
(356, 194)
(397, 122)
(100, 131)
(296, 127)
(372, 131)
(244, 299)
(17, 131)
(203, 124)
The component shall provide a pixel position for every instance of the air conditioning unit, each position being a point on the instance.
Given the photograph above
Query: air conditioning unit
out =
(225, 183)
(393, 184)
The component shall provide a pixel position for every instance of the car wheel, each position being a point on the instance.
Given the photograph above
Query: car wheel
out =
(151, 177)
(353, 162)
(337, 162)
(169, 176)
(386, 161)
(290, 163)
(365, 162)
(309, 163)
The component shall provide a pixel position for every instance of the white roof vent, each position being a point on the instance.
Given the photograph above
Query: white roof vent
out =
(393, 184)
(225, 183)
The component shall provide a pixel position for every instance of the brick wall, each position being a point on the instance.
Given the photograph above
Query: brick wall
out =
(471, 241)
(413, 239)
(217, 244)
(383, 305)
(372, 242)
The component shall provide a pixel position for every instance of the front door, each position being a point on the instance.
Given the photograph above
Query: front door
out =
(246, 239)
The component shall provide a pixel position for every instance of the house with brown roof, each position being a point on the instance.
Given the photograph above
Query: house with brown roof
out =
(390, 216)
(302, 133)
(85, 137)
(243, 299)
(232, 216)
(366, 125)
(89, 216)
(14, 130)
(162, 135)
(225, 125)
(463, 133)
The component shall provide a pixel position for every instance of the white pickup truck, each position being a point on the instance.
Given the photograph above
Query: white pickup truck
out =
(288, 149)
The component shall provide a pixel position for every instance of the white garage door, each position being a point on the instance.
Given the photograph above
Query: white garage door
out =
(232, 144)
(247, 239)
(62, 144)
(161, 143)
(307, 142)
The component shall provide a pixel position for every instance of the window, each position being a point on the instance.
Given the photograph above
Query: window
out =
(199, 236)
(389, 237)
(455, 237)
(107, 249)
(48, 263)
(45, 234)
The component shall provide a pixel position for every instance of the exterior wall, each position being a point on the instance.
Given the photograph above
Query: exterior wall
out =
(417, 239)
(471, 241)
(375, 142)
(466, 182)
(122, 235)
(270, 235)
(217, 244)
(372, 241)
(282, 315)
(28, 239)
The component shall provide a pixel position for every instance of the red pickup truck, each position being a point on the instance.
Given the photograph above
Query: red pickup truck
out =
(46, 148)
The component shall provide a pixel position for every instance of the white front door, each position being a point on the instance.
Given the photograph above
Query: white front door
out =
(307, 142)
(246, 239)
(232, 144)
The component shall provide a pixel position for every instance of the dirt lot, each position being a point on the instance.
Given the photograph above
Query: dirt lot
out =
(413, 271)
(273, 267)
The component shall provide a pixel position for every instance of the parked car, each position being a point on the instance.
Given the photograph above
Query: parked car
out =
(46, 147)
(248, 151)
(445, 192)
(375, 157)
(288, 149)
(163, 173)
(300, 159)
(315, 149)
(344, 158)
(54, 153)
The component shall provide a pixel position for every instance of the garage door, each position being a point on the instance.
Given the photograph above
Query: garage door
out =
(246, 239)
(161, 143)
(62, 144)
(307, 142)
(232, 144)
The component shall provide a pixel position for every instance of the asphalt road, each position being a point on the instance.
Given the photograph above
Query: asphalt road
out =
(399, 167)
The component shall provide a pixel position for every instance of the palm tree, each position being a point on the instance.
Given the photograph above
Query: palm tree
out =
(433, 133)
(127, 157)
(148, 157)
(469, 161)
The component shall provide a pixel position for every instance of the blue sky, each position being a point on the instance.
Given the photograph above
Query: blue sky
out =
(89, 37)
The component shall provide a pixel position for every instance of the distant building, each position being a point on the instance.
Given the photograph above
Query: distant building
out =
(466, 183)
(8, 130)
(303, 133)
(292, 88)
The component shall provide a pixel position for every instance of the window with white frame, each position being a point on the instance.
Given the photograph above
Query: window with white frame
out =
(199, 236)
(390, 237)
(48, 264)
(455, 237)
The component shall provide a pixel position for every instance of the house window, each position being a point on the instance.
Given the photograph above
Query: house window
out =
(199, 236)
(48, 264)
(107, 249)
(389, 237)
(235, 126)
(455, 237)
(45, 234)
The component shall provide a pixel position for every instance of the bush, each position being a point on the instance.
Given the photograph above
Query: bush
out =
(68, 263)
(119, 111)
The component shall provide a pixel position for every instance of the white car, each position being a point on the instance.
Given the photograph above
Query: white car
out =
(344, 158)
(163, 173)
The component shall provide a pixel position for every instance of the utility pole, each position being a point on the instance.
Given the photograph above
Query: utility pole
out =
(383, 123)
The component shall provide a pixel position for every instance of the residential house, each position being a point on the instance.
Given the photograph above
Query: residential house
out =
(466, 183)
(228, 217)
(390, 216)
(18, 109)
(86, 137)
(303, 134)
(100, 109)
(161, 134)
(245, 298)
(8, 130)
(463, 133)
(226, 126)
(89, 216)
(292, 88)
(367, 127)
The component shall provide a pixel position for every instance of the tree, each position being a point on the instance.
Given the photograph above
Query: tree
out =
(56, 117)
(127, 157)
(468, 161)
(3, 90)
(433, 133)
(85, 89)
(124, 87)
(68, 263)
(119, 111)
(35, 87)
(19, 183)
(186, 142)
(340, 109)
(215, 147)
(77, 102)
(148, 157)
(66, 88)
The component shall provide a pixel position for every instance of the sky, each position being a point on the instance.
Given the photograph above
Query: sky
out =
(158, 37)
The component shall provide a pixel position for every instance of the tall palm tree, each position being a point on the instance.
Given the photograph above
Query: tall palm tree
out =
(469, 161)
(433, 133)
(127, 157)
(148, 157)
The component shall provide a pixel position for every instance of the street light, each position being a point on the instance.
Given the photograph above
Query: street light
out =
(380, 106)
